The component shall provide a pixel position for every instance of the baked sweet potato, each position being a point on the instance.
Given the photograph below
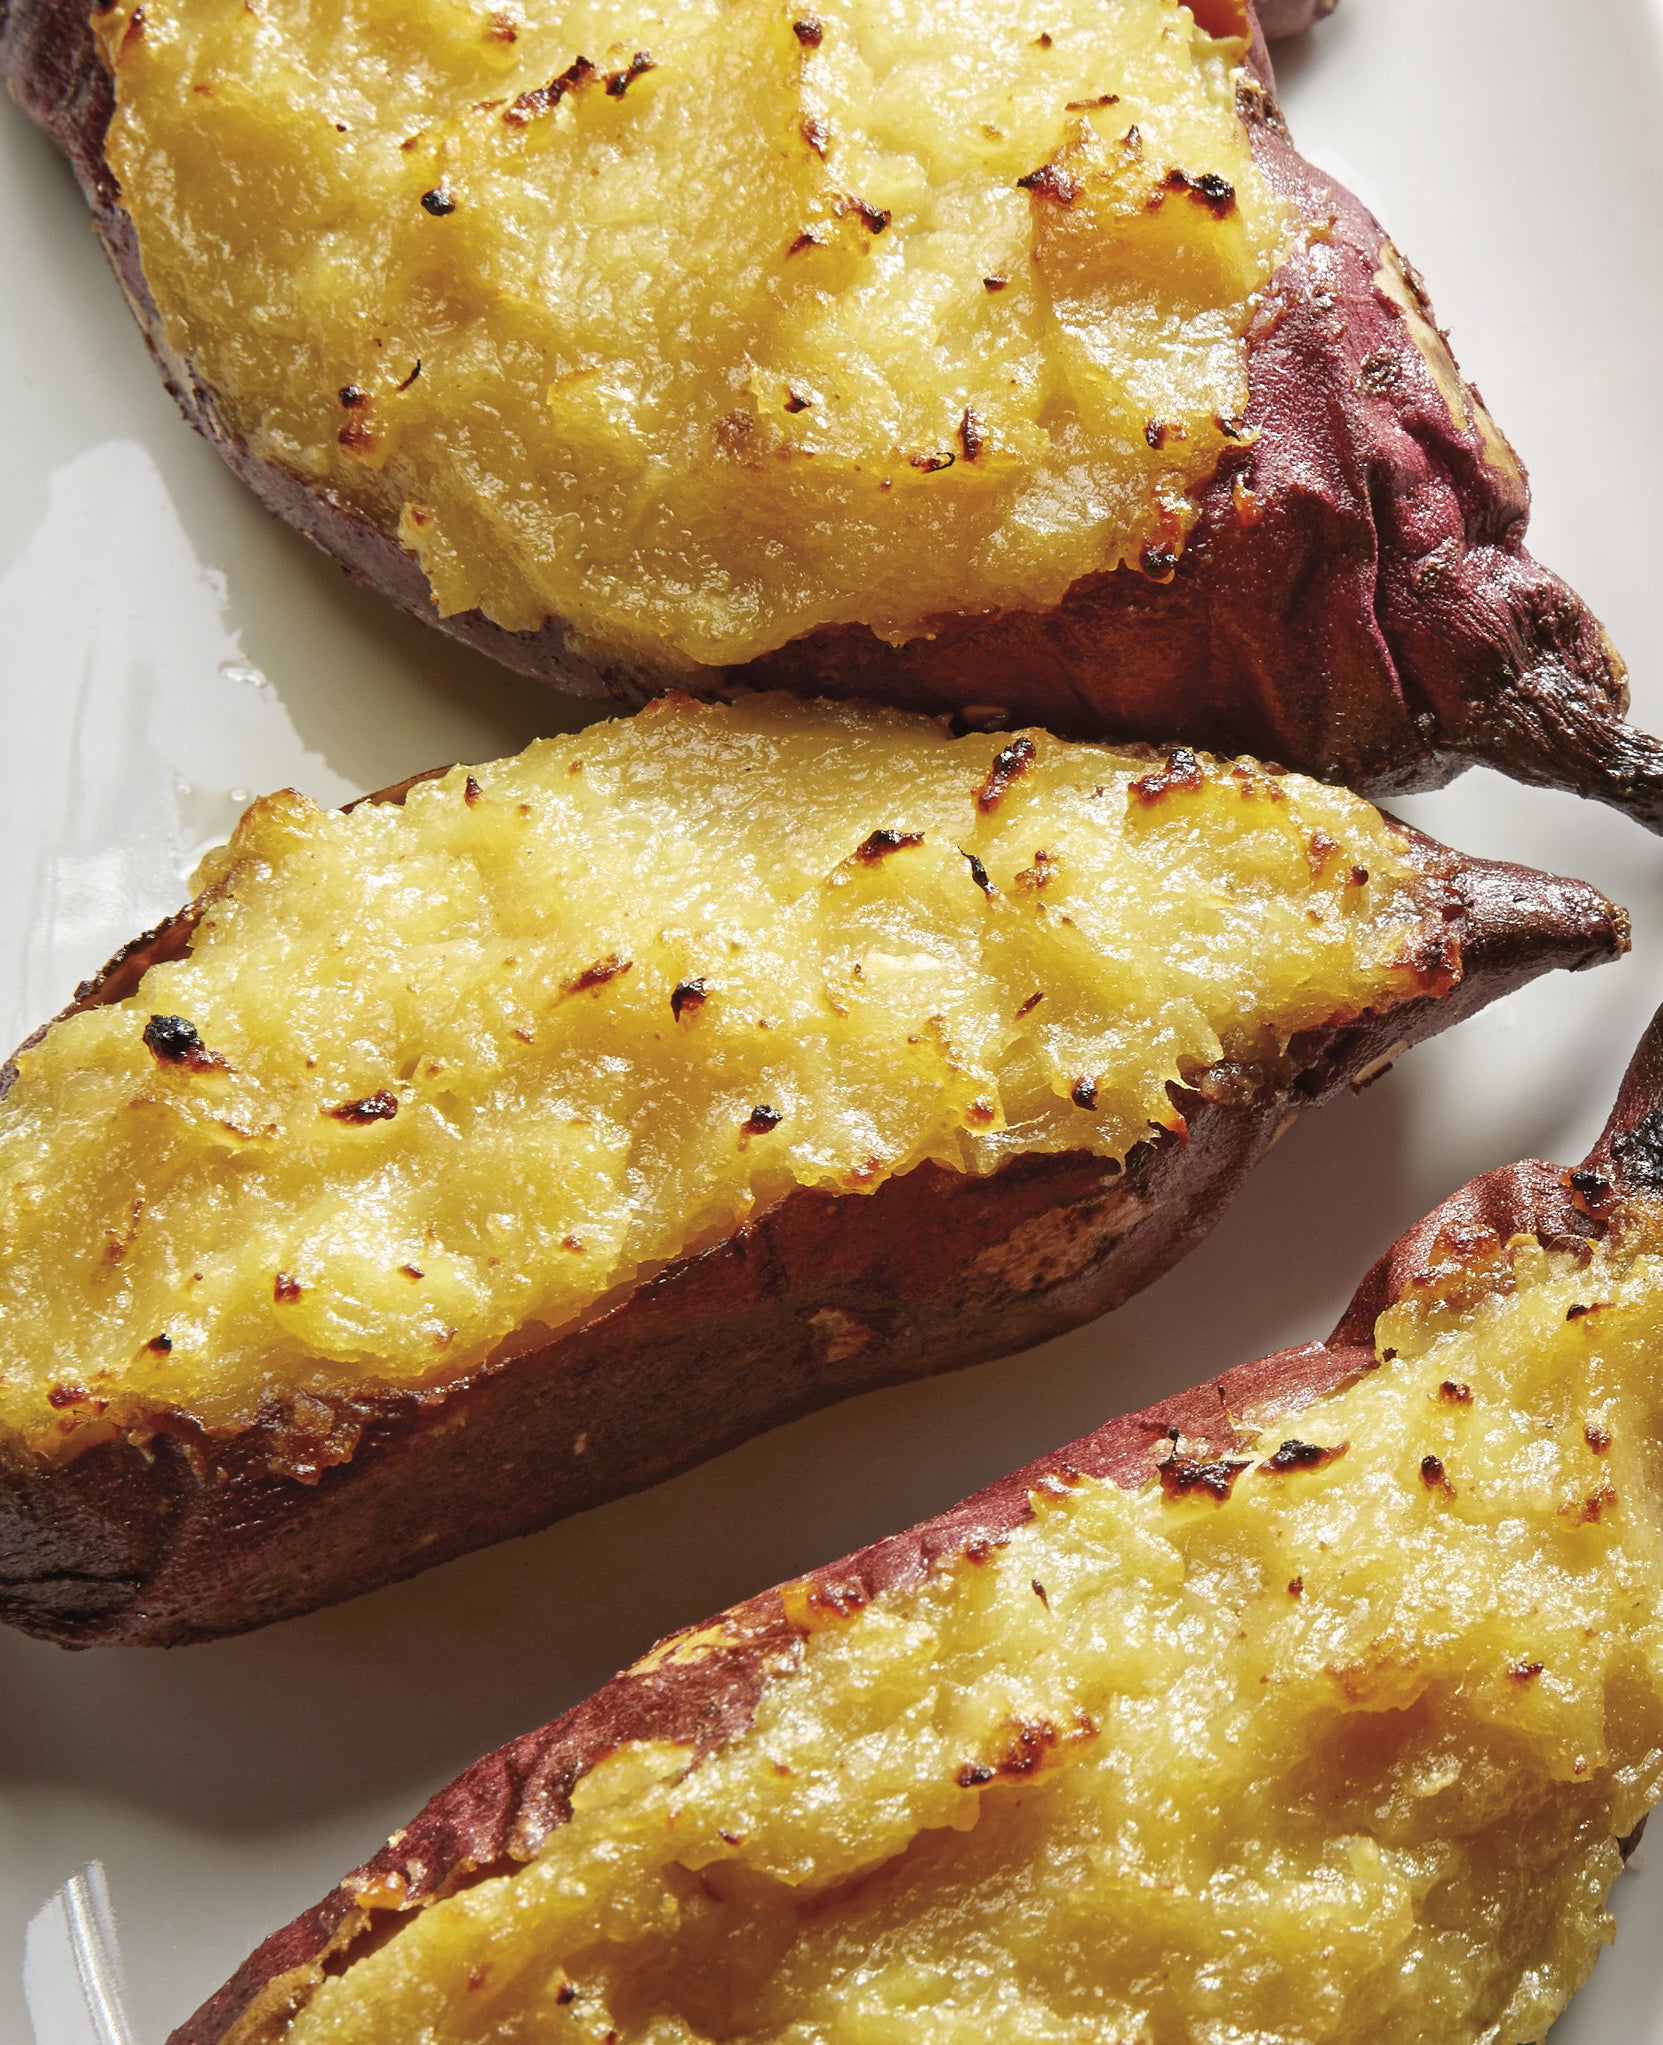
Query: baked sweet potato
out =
(467, 1159)
(1043, 382)
(1314, 1703)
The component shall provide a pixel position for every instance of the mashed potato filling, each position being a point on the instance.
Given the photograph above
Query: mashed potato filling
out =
(701, 323)
(1343, 1755)
(436, 1076)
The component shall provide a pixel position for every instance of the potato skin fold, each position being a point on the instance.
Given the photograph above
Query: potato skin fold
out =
(498, 1812)
(188, 1536)
(1355, 601)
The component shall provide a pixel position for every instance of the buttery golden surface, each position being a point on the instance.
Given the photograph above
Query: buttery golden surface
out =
(732, 317)
(443, 1088)
(1345, 1757)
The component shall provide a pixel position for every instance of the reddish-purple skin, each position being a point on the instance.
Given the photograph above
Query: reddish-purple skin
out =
(496, 1815)
(186, 1535)
(1280, 18)
(1366, 613)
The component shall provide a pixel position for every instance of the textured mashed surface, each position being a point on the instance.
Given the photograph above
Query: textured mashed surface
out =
(1344, 1757)
(766, 335)
(442, 1086)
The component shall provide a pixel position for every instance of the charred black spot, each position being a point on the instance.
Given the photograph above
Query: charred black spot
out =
(994, 283)
(1009, 764)
(1083, 106)
(1454, 1393)
(410, 379)
(351, 395)
(1301, 1455)
(1032, 1002)
(1182, 773)
(880, 844)
(874, 218)
(808, 239)
(160, 1345)
(440, 201)
(619, 82)
(61, 1396)
(795, 401)
(686, 994)
(376, 1107)
(972, 435)
(808, 32)
(1592, 1189)
(1051, 182)
(1084, 1094)
(1433, 1475)
(1639, 1152)
(760, 1121)
(1525, 1672)
(973, 1774)
(471, 791)
(1159, 560)
(285, 1290)
(171, 1040)
(1217, 194)
(1180, 1475)
(978, 873)
(542, 98)
(1154, 431)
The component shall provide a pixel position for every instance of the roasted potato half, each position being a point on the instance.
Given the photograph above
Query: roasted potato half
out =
(1004, 360)
(1316, 1703)
(467, 1158)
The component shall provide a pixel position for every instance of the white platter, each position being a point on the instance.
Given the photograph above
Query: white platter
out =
(163, 645)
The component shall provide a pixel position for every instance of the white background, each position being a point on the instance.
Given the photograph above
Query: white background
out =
(164, 645)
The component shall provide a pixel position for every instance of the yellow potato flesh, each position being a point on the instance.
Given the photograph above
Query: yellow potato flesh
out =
(456, 1102)
(1345, 1757)
(767, 336)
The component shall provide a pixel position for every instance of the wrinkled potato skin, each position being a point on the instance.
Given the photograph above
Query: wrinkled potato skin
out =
(188, 1536)
(499, 1811)
(1355, 601)
(1279, 18)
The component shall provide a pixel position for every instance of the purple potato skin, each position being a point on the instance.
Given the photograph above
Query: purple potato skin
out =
(1280, 19)
(182, 1535)
(1356, 600)
(495, 1816)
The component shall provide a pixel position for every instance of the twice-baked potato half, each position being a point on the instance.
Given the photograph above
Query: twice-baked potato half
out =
(999, 359)
(1314, 1704)
(463, 1160)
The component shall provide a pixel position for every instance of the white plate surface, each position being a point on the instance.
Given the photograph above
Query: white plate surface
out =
(165, 648)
